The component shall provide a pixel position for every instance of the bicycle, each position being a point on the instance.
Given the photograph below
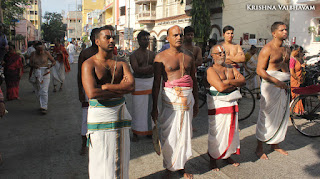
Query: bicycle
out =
(246, 104)
(307, 122)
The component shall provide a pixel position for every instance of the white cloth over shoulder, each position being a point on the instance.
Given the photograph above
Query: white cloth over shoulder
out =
(141, 104)
(176, 126)
(108, 139)
(223, 138)
(274, 110)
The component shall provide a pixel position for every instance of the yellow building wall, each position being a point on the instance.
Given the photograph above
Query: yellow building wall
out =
(88, 6)
(30, 17)
(109, 16)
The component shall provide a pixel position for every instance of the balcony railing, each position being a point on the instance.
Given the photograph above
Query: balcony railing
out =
(144, 1)
(146, 16)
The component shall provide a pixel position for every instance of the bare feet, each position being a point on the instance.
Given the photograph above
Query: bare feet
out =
(259, 151)
(185, 174)
(213, 164)
(233, 162)
(261, 155)
(278, 149)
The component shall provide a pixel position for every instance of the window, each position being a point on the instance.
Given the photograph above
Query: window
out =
(35, 2)
(79, 21)
(71, 31)
(252, 36)
(32, 12)
(35, 12)
(123, 11)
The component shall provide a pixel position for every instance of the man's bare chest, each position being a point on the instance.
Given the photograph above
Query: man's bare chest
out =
(106, 74)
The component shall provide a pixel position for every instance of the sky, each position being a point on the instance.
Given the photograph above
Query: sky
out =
(58, 5)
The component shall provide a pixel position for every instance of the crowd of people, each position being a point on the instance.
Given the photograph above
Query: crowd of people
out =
(104, 79)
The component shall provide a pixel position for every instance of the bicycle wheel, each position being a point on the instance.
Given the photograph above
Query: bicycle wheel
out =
(307, 123)
(246, 104)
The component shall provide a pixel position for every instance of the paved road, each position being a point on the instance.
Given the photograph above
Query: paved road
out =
(47, 146)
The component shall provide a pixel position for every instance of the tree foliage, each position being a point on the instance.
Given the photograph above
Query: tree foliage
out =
(200, 20)
(12, 9)
(53, 27)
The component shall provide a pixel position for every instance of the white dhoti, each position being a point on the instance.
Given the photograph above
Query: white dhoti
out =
(40, 79)
(58, 73)
(274, 110)
(71, 57)
(108, 139)
(176, 126)
(141, 104)
(223, 138)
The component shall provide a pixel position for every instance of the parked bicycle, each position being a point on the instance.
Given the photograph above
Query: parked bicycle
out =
(307, 122)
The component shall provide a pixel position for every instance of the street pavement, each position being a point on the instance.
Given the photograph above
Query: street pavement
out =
(47, 146)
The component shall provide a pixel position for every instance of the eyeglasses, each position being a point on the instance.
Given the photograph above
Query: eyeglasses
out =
(110, 36)
(220, 53)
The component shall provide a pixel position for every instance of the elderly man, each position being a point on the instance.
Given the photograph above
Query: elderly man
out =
(223, 108)
(40, 77)
(273, 68)
(179, 101)
(105, 80)
(142, 65)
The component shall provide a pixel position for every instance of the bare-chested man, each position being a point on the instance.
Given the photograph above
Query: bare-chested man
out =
(84, 55)
(142, 64)
(222, 109)
(187, 44)
(40, 77)
(179, 101)
(273, 67)
(234, 53)
(105, 80)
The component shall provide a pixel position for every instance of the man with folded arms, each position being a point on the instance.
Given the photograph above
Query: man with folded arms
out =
(105, 80)
(142, 64)
(223, 108)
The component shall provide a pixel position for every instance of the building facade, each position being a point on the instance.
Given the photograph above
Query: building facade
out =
(157, 16)
(74, 25)
(28, 30)
(90, 14)
(305, 26)
(252, 19)
(33, 13)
